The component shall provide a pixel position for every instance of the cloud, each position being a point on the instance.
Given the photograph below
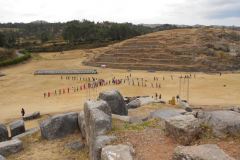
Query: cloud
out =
(222, 12)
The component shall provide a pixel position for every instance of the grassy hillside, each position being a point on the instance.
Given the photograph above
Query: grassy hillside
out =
(199, 49)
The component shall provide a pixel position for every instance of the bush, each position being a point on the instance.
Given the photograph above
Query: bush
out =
(16, 60)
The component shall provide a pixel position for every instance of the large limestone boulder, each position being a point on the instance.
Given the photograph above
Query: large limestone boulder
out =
(17, 127)
(98, 119)
(31, 116)
(164, 114)
(117, 152)
(100, 122)
(223, 123)
(100, 104)
(3, 133)
(82, 124)
(10, 147)
(59, 125)
(27, 133)
(134, 104)
(130, 119)
(2, 158)
(184, 129)
(115, 101)
(99, 143)
(201, 152)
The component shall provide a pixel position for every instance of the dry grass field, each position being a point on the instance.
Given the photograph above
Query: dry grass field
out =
(20, 88)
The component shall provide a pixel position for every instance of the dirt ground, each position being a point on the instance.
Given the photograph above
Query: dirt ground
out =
(38, 149)
(150, 141)
(20, 88)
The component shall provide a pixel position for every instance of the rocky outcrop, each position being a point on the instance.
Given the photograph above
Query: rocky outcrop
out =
(3, 133)
(115, 101)
(164, 114)
(100, 142)
(17, 127)
(2, 158)
(32, 116)
(9, 147)
(201, 152)
(223, 123)
(59, 125)
(134, 104)
(27, 133)
(117, 152)
(129, 119)
(98, 119)
(184, 129)
(97, 115)
(82, 124)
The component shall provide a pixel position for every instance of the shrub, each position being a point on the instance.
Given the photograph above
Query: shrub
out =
(16, 60)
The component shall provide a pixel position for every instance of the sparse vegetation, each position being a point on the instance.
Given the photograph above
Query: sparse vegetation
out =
(16, 60)
(125, 126)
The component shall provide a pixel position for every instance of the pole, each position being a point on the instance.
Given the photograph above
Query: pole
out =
(188, 91)
(180, 88)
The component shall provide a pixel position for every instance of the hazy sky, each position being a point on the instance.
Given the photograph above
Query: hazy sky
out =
(221, 12)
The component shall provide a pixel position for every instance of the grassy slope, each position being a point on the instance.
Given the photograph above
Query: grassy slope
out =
(178, 50)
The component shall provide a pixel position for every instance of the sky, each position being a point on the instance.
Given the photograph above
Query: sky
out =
(189, 12)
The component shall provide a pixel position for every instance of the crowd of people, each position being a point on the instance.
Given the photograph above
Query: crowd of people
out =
(89, 83)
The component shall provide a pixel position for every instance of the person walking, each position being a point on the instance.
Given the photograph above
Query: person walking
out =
(23, 112)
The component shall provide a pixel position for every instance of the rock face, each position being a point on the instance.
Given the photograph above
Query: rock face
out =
(117, 152)
(59, 126)
(27, 133)
(3, 133)
(17, 127)
(2, 158)
(184, 129)
(34, 115)
(129, 119)
(134, 104)
(82, 124)
(100, 142)
(10, 147)
(164, 114)
(121, 118)
(223, 123)
(76, 145)
(115, 101)
(97, 115)
(201, 152)
(98, 119)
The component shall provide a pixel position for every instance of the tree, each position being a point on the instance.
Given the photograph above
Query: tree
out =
(44, 37)
(2, 40)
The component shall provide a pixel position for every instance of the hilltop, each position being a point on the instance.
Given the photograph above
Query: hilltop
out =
(197, 49)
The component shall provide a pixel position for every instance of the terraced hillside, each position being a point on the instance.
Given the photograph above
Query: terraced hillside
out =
(198, 49)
